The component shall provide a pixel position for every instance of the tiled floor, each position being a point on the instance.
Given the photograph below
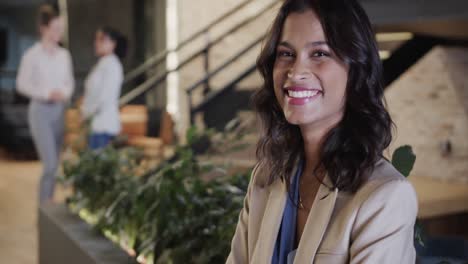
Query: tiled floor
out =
(18, 211)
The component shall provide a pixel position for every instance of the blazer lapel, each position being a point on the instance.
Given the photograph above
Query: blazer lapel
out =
(317, 222)
(271, 222)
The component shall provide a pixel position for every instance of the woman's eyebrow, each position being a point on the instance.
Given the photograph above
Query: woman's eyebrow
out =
(285, 44)
(309, 44)
(317, 43)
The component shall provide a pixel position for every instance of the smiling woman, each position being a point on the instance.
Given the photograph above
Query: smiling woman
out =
(322, 191)
(305, 69)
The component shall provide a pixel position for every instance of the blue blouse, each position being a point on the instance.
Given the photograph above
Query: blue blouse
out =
(284, 247)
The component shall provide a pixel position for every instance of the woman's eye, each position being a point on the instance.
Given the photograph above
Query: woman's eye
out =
(285, 54)
(320, 54)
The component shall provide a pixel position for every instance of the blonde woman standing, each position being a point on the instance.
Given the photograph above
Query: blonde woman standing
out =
(45, 75)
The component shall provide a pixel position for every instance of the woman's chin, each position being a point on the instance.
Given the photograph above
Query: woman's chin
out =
(297, 120)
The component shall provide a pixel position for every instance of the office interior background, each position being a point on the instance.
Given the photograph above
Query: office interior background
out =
(189, 75)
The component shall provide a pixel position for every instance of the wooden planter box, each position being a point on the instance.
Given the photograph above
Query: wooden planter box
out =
(65, 238)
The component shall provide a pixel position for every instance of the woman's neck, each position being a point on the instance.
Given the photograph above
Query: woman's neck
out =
(314, 138)
(106, 54)
(49, 46)
(312, 145)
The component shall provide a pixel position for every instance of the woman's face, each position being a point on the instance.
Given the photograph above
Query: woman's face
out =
(309, 79)
(103, 44)
(53, 32)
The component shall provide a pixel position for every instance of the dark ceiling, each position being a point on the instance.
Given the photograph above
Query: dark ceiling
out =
(442, 28)
(14, 3)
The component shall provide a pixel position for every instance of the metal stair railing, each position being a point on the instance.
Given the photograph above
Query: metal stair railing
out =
(212, 95)
(154, 81)
(160, 57)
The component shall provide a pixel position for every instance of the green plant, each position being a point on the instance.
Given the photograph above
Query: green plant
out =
(193, 219)
(102, 180)
(172, 215)
(403, 160)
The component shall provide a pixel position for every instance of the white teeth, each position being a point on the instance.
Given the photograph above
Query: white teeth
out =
(302, 94)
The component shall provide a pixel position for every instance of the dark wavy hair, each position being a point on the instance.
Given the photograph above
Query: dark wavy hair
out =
(121, 43)
(350, 149)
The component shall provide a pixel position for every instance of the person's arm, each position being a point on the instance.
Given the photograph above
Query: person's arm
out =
(90, 103)
(69, 84)
(111, 83)
(239, 246)
(384, 226)
(26, 81)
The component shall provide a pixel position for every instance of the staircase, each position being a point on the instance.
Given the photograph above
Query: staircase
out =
(207, 95)
(221, 90)
(134, 120)
(227, 77)
(227, 80)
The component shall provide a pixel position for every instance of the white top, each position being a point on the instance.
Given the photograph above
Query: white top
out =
(40, 72)
(102, 92)
(291, 256)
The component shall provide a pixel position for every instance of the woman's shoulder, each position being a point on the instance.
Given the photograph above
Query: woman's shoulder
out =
(259, 179)
(65, 52)
(385, 184)
(111, 63)
(110, 59)
(34, 50)
(384, 171)
(385, 204)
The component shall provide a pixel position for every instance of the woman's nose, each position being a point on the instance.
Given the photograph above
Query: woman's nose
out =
(299, 71)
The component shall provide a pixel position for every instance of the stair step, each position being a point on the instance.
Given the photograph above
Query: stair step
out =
(75, 140)
(73, 120)
(146, 142)
(152, 147)
(134, 120)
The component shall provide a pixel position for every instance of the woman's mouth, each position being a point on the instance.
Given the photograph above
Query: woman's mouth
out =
(301, 95)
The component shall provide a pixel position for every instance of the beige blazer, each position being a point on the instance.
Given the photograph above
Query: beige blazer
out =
(374, 225)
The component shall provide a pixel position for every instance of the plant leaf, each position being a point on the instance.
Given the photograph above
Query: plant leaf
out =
(403, 159)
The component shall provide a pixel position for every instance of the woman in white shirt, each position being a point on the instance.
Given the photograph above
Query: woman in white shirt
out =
(45, 75)
(102, 88)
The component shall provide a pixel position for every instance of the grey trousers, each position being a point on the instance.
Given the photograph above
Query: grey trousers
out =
(46, 122)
